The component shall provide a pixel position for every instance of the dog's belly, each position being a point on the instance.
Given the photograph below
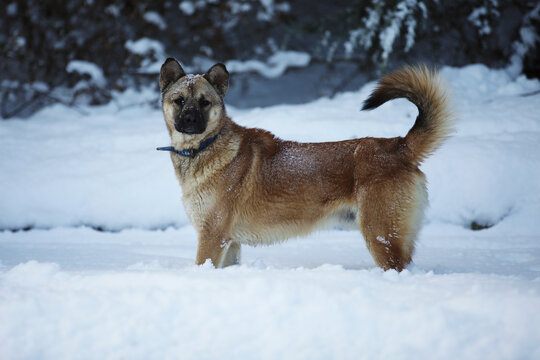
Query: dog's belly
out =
(253, 233)
(263, 235)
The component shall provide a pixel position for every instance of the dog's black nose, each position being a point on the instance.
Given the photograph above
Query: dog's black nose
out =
(190, 118)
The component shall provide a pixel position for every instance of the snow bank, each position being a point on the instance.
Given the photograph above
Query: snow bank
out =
(245, 313)
(88, 169)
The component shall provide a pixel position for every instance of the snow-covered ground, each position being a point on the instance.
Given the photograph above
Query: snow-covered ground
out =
(68, 291)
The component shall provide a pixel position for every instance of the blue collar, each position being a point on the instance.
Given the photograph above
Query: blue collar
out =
(189, 152)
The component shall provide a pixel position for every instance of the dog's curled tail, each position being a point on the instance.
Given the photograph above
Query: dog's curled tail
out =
(422, 87)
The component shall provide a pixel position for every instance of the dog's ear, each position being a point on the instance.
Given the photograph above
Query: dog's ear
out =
(170, 72)
(218, 76)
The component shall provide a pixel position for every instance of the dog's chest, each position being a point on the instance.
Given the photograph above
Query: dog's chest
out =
(198, 205)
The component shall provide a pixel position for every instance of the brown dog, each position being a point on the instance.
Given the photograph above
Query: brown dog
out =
(245, 186)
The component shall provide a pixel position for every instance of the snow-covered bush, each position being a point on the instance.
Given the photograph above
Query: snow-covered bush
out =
(382, 24)
(129, 40)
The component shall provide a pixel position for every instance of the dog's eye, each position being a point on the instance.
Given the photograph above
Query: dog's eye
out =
(204, 103)
(179, 101)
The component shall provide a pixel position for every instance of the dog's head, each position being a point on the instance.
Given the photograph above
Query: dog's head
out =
(192, 104)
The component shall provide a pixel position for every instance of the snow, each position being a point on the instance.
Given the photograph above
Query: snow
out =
(268, 12)
(476, 18)
(276, 65)
(269, 8)
(153, 17)
(402, 15)
(152, 51)
(11, 9)
(481, 16)
(248, 312)
(528, 40)
(239, 7)
(363, 36)
(20, 41)
(144, 46)
(190, 79)
(88, 68)
(113, 10)
(187, 7)
(69, 291)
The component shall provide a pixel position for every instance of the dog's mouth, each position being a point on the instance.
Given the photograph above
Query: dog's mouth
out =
(190, 131)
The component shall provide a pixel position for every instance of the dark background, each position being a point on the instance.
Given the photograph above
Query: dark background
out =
(39, 38)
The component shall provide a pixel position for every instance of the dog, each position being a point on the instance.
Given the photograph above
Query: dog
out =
(246, 186)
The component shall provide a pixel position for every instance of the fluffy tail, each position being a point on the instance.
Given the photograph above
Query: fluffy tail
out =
(420, 86)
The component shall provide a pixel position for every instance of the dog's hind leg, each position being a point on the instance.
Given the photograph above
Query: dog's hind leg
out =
(390, 216)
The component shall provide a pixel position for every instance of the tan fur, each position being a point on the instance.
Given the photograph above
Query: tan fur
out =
(249, 187)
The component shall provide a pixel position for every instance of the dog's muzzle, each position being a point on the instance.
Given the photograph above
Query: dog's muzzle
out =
(190, 121)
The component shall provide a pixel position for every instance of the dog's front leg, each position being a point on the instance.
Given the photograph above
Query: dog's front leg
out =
(232, 257)
(214, 248)
(215, 243)
(227, 253)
